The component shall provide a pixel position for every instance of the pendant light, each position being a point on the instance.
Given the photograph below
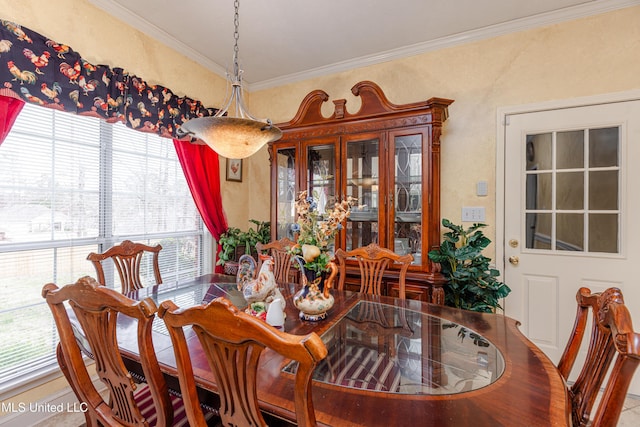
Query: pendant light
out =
(233, 132)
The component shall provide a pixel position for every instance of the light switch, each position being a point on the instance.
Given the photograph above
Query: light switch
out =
(473, 214)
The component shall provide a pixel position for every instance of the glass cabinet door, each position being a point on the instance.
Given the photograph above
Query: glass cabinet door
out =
(285, 194)
(321, 174)
(362, 176)
(407, 196)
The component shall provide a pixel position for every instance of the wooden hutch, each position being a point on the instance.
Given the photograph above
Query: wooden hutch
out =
(385, 155)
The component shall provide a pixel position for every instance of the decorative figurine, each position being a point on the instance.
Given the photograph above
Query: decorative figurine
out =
(259, 290)
(314, 299)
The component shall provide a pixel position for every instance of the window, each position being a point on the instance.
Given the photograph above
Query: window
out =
(70, 185)
(572, 193)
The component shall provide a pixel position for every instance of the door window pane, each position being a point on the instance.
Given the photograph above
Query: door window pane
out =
(569, 201)
(570, 190)
(570, 232)
(538, 230)
(603, 147)
(570, 152)
(603, 190)
(603, 233)
(539, 191)
(539, 151)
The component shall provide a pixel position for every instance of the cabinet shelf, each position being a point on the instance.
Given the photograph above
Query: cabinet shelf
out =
(412, 217)
(363, 216)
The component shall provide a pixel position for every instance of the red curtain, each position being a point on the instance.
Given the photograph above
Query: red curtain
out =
(201, 168)
(9, 110)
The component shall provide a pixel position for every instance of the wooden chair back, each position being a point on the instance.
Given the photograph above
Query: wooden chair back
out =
(96, 309)
(127, 258)
(373, 261)
(233, 342)
(612, 341)
(279, 251)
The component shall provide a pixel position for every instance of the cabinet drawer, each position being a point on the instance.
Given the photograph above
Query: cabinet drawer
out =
(411, 291)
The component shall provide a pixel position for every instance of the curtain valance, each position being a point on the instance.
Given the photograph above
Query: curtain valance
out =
(41, 71)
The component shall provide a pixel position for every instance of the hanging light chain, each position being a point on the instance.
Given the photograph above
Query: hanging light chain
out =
(236, 36)
(234, 107)
(232, 131)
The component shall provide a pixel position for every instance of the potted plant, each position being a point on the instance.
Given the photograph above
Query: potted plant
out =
(472, 283)
(235, 242)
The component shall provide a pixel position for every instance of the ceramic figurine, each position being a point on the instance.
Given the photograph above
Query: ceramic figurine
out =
(259, 290)
(275, 314)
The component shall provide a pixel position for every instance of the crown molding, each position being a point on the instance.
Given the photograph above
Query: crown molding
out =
(594, 7)
(540, 20)
(156, 33)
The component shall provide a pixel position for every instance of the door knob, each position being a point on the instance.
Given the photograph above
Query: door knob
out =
(514, 260)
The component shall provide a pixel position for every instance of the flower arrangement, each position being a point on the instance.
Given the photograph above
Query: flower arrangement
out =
(316, 231)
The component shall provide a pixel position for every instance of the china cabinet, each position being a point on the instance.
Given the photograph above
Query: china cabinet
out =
(385, 155)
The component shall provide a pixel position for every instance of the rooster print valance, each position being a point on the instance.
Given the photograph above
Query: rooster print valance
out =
(41, 71)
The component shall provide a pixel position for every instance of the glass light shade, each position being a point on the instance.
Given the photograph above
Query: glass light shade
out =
(231, 137)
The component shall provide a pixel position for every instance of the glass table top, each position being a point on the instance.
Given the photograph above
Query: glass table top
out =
(375, 346)
(391, 349)
(196, 293)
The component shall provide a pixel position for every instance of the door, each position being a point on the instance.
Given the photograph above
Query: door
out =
(572, 210)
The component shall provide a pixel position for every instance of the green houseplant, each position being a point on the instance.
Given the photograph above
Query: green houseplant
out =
(472, 283)
(235, 242)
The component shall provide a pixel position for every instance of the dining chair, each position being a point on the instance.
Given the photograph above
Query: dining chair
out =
(93, 331)
(127, 257)
(233, 342)
(279, 251)
(612, 341)
(373, 261)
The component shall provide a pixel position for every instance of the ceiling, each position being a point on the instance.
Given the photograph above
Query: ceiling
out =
(288, 40)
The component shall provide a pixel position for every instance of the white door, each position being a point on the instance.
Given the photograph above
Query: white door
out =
(572, 214)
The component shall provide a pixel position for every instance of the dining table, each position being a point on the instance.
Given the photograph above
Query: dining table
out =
(390, 362)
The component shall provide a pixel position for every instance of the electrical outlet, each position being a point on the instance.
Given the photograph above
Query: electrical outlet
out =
(473, 214)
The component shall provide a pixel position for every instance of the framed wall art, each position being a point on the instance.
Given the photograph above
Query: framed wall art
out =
(234, 170)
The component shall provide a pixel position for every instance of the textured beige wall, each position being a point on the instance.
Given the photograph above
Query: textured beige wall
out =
(588, 56)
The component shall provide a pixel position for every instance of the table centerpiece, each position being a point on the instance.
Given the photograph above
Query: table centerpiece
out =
(316, 233)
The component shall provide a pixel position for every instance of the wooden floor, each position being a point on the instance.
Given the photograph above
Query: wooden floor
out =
(630, 416)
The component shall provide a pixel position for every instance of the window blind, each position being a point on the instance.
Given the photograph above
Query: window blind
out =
(70, 185)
